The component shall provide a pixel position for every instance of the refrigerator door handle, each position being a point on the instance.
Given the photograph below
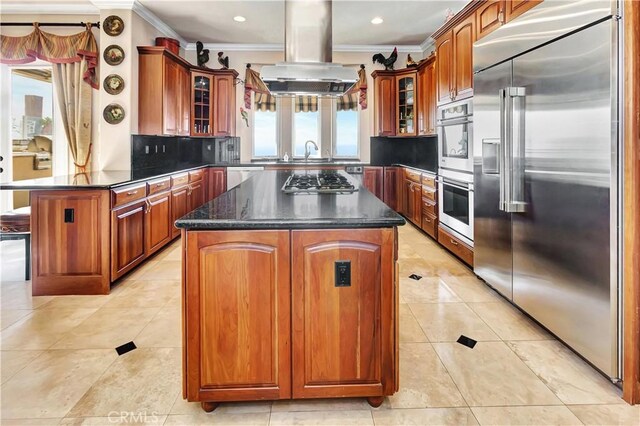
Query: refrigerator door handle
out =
(502, 171)
(514, 151)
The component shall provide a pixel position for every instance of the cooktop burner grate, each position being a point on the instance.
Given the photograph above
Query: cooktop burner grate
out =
(318, 183)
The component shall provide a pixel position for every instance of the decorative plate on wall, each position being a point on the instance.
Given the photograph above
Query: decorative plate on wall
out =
(113, 113)
(113, 84)
(113, 25)
(113, 55)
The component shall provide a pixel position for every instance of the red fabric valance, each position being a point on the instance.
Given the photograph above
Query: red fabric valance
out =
(53, 48)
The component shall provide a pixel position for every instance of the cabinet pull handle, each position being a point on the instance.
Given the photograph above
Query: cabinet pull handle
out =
(132, 192)
(159, 185)
(501, 17)
(427, 220)
(455, 243)
(148, 209)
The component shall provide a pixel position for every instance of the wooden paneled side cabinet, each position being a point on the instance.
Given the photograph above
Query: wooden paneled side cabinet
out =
(384, 89)
(427, 97)
(373, 180)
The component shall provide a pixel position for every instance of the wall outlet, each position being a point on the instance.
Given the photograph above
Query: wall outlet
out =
(343, 273)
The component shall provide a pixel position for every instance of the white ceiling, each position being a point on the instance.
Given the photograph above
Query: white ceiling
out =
(406, 22)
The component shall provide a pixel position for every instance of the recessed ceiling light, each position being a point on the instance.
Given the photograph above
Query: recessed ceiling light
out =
(239, 18)
(377, 20)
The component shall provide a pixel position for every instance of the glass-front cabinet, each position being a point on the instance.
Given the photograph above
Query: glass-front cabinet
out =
(201, 105)
(406, 96)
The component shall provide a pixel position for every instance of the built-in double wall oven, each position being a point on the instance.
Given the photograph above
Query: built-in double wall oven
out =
(455, 158)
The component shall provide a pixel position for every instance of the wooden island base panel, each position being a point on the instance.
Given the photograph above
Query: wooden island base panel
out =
(287, 301)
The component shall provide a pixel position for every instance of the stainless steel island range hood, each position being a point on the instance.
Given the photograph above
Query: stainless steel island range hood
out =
(307, 68)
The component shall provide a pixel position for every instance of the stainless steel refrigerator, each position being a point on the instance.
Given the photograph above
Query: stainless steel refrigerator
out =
(546, 106)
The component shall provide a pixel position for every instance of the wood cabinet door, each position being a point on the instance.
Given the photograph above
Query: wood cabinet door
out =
(127, 238)
(444, 68)
(407, 105)
(171, 99)
(217, 182)
(416, 216)
(237, 316)
(423, 87)
(385, 105)
(408, 199)
(224, 106)
(159, 227)
(489, 16)
(515, 8)
(343, 336)
(463, 39)
(390, 184)
(184, 81)
(179, 207)
(372, 180)
(430, 116)
(195, 195)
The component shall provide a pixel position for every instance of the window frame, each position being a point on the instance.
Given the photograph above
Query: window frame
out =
(253, 131)
(334, 132)
(318, 140)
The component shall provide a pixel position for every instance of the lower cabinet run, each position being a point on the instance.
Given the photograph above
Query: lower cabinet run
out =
(271, 315)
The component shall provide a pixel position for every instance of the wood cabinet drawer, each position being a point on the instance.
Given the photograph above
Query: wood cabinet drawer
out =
(196, 175)
(457, 247)
(128, 194)
(430, 225)
(412, 176)
(158, 185)
(429, 193)
(179, 180)
(429, 180)
(429, 207)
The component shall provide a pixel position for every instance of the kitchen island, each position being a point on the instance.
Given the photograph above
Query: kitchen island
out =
(289, 295)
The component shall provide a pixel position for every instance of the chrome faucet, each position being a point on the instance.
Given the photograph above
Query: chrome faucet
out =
(307, 153)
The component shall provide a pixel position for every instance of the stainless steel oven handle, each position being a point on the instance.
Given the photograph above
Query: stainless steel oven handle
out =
(454, 121)
(455, 185)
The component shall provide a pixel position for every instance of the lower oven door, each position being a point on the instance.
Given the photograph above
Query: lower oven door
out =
(456, 207)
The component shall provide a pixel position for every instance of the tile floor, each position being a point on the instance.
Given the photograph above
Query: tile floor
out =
(59, 365)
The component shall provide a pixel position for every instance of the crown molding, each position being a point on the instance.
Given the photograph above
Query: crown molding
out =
(158, 23)
(113, 4)
(428, 45)
(277, 47)
(60, 8)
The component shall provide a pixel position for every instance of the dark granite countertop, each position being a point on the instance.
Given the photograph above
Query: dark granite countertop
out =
(108, 179)
(259, 203)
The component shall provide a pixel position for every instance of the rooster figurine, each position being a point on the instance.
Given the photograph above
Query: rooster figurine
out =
(202, 54)
(223, 60)
(410, 61)
(387, 62)
(245, 116)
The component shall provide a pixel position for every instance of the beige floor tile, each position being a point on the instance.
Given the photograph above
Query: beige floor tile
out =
(470, 289)
(144, 380)
(31, 422)
(11, 316)
(570, 378)
(145, 294)
(445, 322)
(116, 418)
(490, 374)
(13, 361)
(43, 328)
(336, 404)
(71, 302)
(329, 418)
(182, 406)
(424, 382)
(107, 328)
(525, 416)
(163, 331)
(509, 323)
(164, 270)
(410, 330)
(426, 290)
(215, 418)
(424, 416)
(52, 383)
(17, 295)
(597, 415)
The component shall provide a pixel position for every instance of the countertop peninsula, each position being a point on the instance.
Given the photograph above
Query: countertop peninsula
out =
(259, 203)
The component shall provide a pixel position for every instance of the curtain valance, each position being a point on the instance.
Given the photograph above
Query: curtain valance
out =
(263, 100)
(357, 94)
(53, 48)
(305, 103)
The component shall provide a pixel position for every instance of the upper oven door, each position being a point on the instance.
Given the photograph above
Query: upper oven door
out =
(455, 136)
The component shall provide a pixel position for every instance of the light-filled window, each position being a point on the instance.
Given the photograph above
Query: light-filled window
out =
(346, 133)
(265, 134)
(306, 126)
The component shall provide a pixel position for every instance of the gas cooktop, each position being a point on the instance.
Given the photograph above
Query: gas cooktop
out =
(323, 182)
